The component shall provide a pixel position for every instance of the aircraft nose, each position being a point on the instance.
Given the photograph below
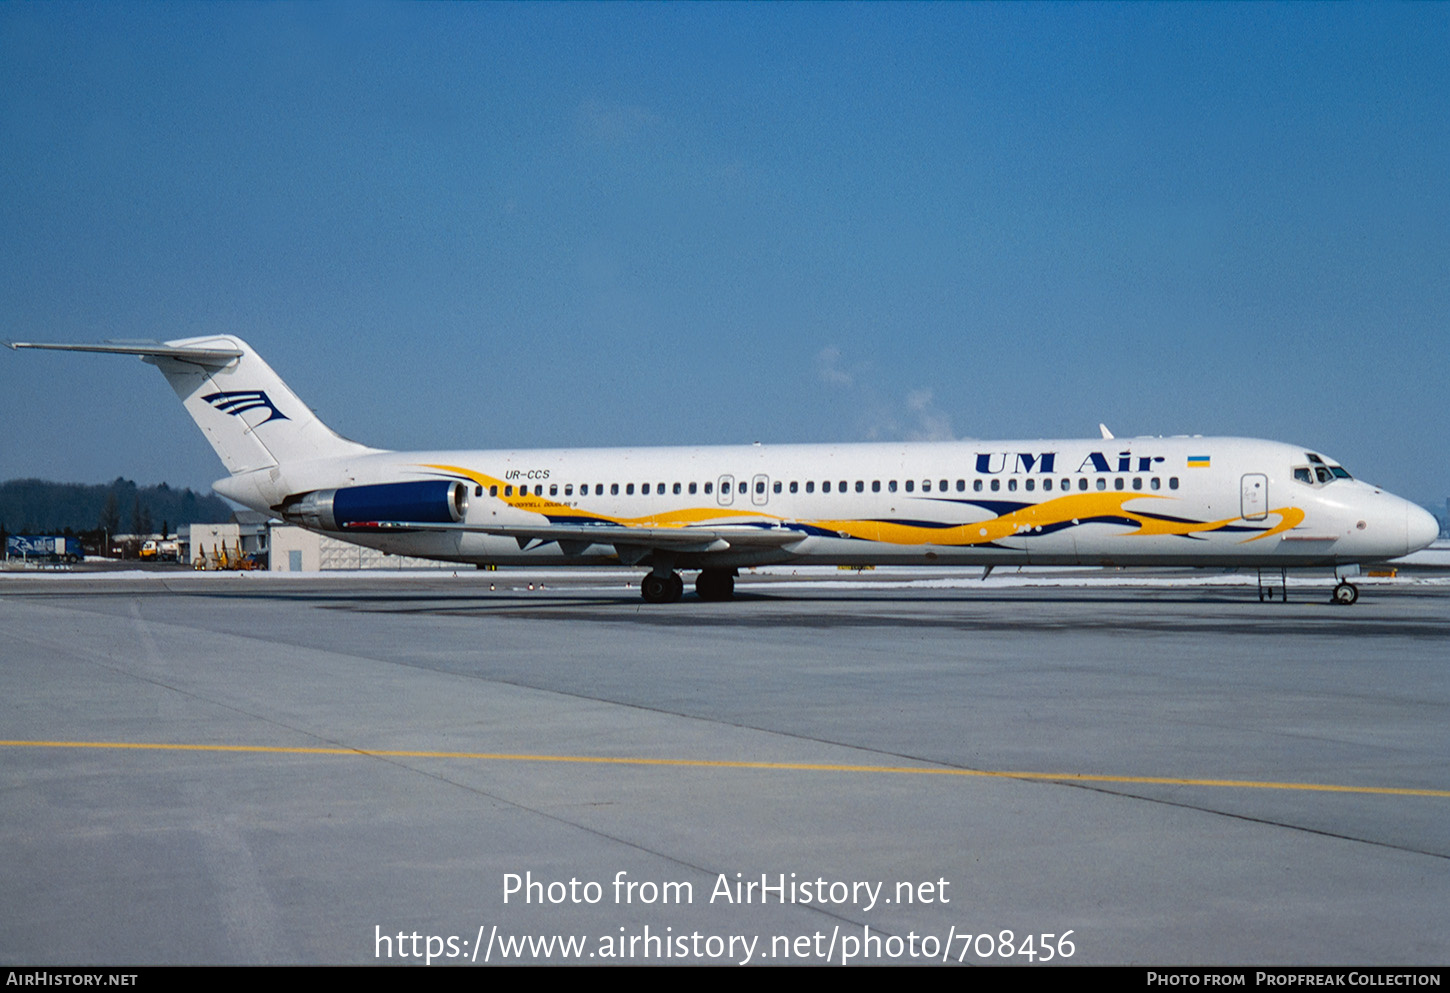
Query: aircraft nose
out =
(1421, 528)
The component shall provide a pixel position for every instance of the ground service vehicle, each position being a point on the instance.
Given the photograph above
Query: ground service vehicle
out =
(47, 548)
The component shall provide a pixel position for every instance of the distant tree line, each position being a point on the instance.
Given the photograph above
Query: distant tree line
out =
(94, 513)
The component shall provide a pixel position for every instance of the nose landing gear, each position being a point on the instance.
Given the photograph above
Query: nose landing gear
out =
(1344, 593)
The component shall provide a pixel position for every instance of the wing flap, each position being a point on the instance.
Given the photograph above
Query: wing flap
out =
(682, 539)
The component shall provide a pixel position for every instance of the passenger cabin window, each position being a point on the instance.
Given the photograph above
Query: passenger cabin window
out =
(911, 486)
(810, 485)
(976, 486)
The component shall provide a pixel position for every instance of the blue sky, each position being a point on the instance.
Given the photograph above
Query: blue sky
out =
(497, 225)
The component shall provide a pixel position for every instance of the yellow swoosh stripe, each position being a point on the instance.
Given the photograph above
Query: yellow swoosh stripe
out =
(1072, 507)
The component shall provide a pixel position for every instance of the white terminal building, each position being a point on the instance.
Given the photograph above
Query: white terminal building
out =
(288, 548)
(295, 549)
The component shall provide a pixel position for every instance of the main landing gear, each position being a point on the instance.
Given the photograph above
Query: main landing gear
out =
(667, 587)
(1345, 593)
(662, 587)
(715, 584)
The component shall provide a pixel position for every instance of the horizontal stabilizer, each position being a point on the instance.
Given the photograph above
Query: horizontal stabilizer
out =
(145, 349)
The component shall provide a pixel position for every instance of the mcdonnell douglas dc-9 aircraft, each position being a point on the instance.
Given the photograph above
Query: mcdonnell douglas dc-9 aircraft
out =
(1108, 502)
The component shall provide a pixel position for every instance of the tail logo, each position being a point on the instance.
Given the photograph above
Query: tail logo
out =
(240, 401)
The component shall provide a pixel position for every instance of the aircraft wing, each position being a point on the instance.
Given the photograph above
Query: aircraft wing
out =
(676, 539)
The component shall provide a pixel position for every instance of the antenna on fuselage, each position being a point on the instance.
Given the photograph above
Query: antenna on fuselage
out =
(1104, 429)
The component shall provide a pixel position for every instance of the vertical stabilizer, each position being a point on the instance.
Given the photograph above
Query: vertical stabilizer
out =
(252, 419)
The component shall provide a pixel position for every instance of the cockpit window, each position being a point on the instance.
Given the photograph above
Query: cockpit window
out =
(1321, 472)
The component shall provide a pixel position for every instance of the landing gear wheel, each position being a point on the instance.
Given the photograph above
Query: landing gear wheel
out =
(715, 584)
(1345, 593)
(656, 588)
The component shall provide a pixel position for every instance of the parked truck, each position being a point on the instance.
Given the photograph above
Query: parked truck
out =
(163, 550)
(43, 548)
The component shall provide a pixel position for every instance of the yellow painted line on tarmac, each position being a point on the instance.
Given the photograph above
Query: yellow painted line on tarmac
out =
(1056, 777)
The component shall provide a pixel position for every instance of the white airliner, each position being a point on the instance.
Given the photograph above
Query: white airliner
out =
(1108, 501)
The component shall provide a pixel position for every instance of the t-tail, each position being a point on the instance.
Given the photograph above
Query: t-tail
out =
(259, 428)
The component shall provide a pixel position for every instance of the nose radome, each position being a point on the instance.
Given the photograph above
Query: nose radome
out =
(1421, 528)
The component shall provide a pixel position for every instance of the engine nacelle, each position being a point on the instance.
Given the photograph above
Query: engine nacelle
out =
(432, 501)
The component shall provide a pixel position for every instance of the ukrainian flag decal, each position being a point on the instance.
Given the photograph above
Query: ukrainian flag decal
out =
(1198, 461)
